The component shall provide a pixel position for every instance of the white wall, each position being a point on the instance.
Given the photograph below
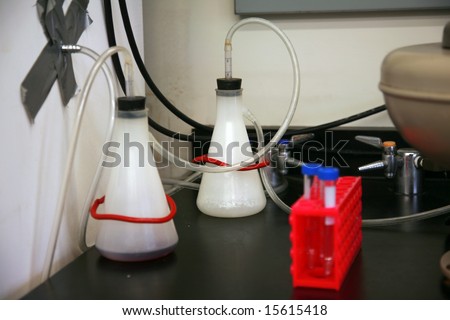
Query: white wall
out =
(33, 156)
(340, 58)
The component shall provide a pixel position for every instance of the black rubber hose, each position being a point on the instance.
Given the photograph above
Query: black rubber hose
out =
(176, 135)
(339, 122)
(148, 79)
(112, 42)
(180, 136)
(119, 73)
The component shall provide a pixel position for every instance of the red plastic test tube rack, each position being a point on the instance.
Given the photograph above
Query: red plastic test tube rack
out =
(308, 227)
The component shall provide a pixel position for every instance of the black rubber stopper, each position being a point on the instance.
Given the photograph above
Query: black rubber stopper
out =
(229, 84)
(133, 103)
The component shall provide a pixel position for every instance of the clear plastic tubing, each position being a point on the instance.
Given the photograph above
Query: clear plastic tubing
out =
(181, 183)
(54, 232)
(264, 176)
(287, 209)
(285, 124)
(113, 95)
(191, 178)
(367, 223)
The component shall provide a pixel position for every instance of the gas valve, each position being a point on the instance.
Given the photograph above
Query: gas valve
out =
(405, 164)
(281, 160)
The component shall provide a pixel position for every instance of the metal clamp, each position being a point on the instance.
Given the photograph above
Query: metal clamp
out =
(280, 160)
(405, 164)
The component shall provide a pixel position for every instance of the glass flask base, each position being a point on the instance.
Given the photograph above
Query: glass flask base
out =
(137, 256)
(226, 210)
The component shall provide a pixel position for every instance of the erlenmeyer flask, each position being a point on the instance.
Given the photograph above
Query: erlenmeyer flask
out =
(141, 225)
(238, 193)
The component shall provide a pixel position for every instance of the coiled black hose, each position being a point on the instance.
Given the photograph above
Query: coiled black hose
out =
(170, 106)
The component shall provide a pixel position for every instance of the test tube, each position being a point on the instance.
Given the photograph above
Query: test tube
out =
(328, 178)
(310, 192)
(309, 171)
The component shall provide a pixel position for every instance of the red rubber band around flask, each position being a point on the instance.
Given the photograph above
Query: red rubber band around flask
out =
(205, 159)
(118, 217)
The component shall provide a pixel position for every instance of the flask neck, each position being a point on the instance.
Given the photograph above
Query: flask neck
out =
(131, 141)
(228, 105)
(229, 142)
(131, 115)
(132, 122)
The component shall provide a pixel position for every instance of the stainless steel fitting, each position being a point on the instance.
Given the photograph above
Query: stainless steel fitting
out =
(281, 161)
(405, 164)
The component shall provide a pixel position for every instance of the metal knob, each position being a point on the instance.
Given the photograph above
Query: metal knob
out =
(388, 161)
